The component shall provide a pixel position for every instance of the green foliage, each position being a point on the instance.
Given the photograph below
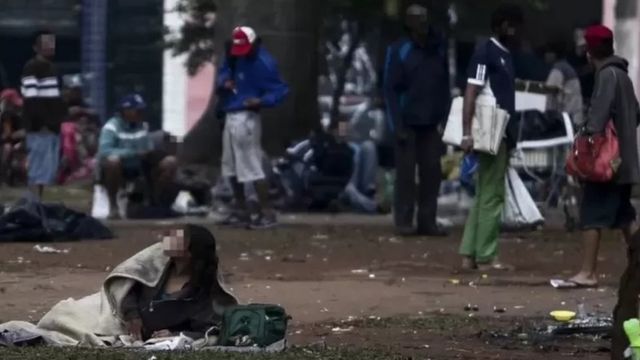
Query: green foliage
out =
(195, 37)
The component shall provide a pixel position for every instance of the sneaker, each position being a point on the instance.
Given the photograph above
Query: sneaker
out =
(263, 222)
(235, 220)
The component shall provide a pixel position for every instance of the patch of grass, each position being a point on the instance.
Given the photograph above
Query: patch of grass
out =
(87, 354)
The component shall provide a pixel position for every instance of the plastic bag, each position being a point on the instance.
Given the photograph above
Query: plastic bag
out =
(519, 208)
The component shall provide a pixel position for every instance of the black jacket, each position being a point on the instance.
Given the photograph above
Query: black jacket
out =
(416, 82)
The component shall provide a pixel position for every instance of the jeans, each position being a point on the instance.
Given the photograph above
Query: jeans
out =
(363, 181)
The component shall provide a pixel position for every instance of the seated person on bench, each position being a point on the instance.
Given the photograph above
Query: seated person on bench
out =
(126, 153)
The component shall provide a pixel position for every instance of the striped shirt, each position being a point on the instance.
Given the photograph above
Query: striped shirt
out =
(43, 105)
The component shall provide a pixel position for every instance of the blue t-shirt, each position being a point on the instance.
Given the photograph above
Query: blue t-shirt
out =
(493, 63)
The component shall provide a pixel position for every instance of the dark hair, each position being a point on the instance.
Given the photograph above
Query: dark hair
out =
(204, 259)
(559, 47)
(36, 36)
(603, 50)
(509, 13)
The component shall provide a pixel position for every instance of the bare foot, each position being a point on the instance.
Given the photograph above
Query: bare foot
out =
(585, 280)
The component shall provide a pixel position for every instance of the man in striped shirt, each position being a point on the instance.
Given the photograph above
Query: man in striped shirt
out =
(43, 113)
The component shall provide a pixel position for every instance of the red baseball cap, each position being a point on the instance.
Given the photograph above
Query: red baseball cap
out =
(12, 96)
(243, 38)
(596, 35)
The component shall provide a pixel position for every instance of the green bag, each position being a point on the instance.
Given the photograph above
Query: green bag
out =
(253, 325)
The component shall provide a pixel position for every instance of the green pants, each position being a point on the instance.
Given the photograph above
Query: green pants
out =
(480, 240)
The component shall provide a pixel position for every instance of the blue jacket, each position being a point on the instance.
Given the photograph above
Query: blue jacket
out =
(256, 76)
(416, 82)
(124, 140)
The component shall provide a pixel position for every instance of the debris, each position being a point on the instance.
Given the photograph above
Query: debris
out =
(499, 310)
(107, 269)
(279, 277)
(320, 237)
(325, 260)
(292, 259)
(485, 276)
(49, 250)
(474, 308)
(244, 257)
(360, 271)
(324, 310)
(342, 330)
(298, 332)
(518, 307)
(394, 240)
(372, 276)
(454, 281)
(267, 258)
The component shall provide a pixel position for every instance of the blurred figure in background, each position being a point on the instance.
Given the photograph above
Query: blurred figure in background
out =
(126, 153)
(563, 83)
(44, 111)
(248, 82)
(11, 132)
(418, 98)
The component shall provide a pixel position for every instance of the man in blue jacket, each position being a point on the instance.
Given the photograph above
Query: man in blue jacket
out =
(418, 97)
(248, 82)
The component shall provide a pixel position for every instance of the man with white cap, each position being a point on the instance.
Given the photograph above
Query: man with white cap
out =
(248, 82)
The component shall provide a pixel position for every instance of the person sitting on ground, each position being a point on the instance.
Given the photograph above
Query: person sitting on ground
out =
(170, 288)
(183, 299)
(11, 132)
(126, 153)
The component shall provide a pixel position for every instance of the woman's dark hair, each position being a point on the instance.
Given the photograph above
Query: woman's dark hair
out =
(509, 13)
(35, 37)
(204, 259)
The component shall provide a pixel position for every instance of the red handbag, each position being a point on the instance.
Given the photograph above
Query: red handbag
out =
(595, 158)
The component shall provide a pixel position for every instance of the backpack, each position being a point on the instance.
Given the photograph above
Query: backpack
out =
(253, 325)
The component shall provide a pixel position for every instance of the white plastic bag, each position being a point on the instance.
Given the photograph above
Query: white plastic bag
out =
(489, 124)
(519, 208)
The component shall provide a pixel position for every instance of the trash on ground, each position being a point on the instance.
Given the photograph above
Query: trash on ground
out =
(563, 315)
(499, 310)
(320, 237)
(49, 250)
(342, 330)
(372, 276)
(360, 271)
(454, 281)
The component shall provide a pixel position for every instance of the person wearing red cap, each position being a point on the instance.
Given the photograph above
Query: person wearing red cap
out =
(248, 82)
(608, 205)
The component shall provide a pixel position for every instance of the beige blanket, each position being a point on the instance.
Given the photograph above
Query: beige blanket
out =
(96, 319)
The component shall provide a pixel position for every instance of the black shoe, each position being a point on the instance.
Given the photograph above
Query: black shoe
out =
(432, 232)
(235, 220)
(405, 231)
(263, 222)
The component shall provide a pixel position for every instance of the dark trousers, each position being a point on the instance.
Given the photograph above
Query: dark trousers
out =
(421, 147)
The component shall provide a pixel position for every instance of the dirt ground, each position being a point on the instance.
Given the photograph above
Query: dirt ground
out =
(354, 284)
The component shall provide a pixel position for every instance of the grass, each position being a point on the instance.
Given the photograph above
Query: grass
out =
(86, 354)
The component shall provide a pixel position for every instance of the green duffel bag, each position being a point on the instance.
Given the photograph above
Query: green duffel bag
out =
(253, 325)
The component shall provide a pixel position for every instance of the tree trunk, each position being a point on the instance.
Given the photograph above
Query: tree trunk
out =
(289, 29)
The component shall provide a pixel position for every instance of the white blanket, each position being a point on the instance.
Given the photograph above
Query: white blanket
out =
(96, 320)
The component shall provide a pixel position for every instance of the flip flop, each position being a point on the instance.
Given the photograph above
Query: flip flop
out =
(568, 284)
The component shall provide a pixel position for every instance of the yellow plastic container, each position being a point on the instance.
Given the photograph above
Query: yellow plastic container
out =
(563, 315)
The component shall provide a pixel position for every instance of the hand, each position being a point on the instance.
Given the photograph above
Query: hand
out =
(467, 144)
(161, 334)
(134, 327)
(253, 103)
(229, 85)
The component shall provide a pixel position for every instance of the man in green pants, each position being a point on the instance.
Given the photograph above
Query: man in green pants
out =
(491, 69)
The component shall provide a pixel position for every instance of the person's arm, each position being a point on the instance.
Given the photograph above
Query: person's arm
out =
(477, 79)
(108, 144)
(224, 75)
(555, 82)
(131, 314)
(274, 89)
(391, 83)
(601, 101)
